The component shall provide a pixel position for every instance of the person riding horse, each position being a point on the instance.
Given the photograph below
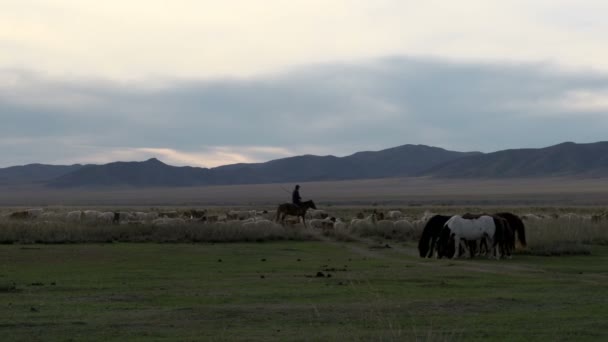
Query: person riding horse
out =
(296, 199)
(295, 208)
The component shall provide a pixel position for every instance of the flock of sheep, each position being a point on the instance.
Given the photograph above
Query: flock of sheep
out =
(248, 218)
(320, 219)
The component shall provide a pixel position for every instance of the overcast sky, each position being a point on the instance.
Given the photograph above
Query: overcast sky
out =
(207, 83)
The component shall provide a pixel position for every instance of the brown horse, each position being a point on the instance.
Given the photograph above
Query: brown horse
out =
(294, 210)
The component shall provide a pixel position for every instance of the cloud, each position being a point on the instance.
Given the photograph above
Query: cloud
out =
(141, 39)
(322, 109)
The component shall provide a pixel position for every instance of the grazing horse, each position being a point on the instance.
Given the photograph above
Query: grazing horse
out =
(472, 229)
(294, 210)
(430, 234)
(517, 225)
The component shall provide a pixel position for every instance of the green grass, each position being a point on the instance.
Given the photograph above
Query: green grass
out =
(270, 291)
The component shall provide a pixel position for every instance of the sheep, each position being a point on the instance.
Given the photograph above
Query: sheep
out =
(403, 224)
(239, 214)
(316, 214)
(26, 214)
(106, 217)
(90, 216)
(74, 216)
(394, 215)
(327, 223)
(168, 221)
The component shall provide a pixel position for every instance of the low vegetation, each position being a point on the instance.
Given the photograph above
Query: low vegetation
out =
(550, 231)
(286, 291)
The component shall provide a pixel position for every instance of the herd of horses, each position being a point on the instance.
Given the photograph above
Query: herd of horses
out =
(493, 235)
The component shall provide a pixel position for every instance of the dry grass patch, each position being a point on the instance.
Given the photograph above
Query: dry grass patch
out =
(564, 236)
(27, 232)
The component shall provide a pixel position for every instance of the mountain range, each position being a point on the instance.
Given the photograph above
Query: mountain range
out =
(562, 160)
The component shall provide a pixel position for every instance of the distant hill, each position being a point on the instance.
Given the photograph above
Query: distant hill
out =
(34, 173)
(402, 161)
(566, 159)
(138, 174)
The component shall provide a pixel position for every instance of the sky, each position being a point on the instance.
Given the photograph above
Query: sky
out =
(208, 83)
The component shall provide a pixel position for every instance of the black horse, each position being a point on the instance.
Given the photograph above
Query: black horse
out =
(517, 225)
(294, 210)
(430, 234)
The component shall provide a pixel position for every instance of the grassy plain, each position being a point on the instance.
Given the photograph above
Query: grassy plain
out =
(133, 288)
(273, 291)
(393, 191)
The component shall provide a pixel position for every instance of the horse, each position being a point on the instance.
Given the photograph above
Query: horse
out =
(517, 225)
(294, 210)
(430, 234)
(475, 227)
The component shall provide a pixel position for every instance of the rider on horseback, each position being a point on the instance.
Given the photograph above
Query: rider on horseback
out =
(295, 196)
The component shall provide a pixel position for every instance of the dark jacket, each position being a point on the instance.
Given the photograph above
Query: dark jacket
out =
(295, 197)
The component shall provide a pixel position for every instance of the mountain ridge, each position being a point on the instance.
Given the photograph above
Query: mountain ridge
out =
(565, 159)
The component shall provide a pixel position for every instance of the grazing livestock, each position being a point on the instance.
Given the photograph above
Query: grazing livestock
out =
(26, 214)
(370, 220)
(74, 216)
(289, 209)
(430, 235)
(517, 226)
(168, 221)
(385, 225)
(168, 214)
(143, 216)
(403, 225)
(195, 214)
(340, 225)
(90, 216)
(317, 214)
(106, 217)
(33, 213)
(327, 223)
(19, 215)
(394, 215)
(50, 216)
(473, 229)
(240, 214)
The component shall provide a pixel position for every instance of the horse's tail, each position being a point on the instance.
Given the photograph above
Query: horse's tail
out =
(518, 226)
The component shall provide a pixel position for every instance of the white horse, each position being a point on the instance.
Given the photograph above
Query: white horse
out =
(470, 229)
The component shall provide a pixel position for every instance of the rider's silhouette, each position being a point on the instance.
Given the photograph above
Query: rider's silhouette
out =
(295, 196)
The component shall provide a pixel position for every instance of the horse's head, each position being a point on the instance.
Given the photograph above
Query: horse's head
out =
(312, 205)
(423, 248)
(444, 247)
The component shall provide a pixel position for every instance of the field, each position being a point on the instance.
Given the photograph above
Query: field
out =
(305, 291)
(70, 281)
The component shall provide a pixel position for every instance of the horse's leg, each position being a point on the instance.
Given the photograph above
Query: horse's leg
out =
(432, 249)
(456, 246)
(304, 220)
(472, 248)
(496, 245)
